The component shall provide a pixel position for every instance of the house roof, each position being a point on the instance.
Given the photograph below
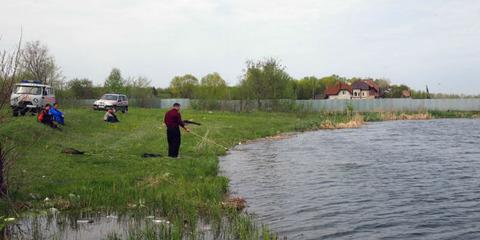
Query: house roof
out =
(372, 84)
(366, 85)
(335, 89)
(360, 84)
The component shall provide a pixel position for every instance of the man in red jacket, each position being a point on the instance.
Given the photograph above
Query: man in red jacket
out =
(173, 121)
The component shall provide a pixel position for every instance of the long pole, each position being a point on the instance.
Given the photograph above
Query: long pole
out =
(208, 140)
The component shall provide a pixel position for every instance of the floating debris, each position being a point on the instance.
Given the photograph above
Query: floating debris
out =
(53, 210)
(85, 221)
(161, 221)
(205, 228)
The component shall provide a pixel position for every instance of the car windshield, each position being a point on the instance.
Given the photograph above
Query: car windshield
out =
(109, 97)
(28, 90)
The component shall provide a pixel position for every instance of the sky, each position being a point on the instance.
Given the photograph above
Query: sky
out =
(418, 43)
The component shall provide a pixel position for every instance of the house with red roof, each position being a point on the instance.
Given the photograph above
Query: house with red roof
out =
(365, 89)
(406, 94)
(340, 90)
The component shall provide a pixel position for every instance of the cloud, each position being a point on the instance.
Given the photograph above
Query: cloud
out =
(413, 42)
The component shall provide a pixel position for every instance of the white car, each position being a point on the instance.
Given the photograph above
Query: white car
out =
(112, 100)
(31, 96)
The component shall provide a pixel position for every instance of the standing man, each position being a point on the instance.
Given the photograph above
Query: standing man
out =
(173, 121)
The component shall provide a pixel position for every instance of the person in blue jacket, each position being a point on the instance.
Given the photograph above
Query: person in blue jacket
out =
(57, 114)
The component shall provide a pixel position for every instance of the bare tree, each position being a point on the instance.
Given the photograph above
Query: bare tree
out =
(9, 64)
(39, 65)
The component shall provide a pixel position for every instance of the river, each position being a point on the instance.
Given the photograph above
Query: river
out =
(386, 180)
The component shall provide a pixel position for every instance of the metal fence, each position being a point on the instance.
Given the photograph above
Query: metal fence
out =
(394, 105)
(373, 105)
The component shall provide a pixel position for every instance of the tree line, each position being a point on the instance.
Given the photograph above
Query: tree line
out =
(261, 79)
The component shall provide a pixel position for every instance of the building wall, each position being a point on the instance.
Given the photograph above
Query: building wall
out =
(343, 94)
(366, 94)
(362, 94)
(356, 94)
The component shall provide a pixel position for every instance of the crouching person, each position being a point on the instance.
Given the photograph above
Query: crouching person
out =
(46, 117)
(110, 116)
(57, 114)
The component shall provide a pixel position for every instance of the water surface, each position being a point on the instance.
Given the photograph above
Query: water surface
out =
(387, 180)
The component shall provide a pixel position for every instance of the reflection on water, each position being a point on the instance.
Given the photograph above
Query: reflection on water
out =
(72, 226)
(388, 180)
(84, 226)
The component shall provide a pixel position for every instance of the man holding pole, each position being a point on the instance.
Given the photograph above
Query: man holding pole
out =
(173, 121)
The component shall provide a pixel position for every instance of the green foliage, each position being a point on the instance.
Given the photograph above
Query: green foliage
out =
(383, 84)
(266, 79)
(395, 91)
(212, 86)
(184, 86)
(333, 79)
(81, 88)
(454, 114)
(309, 88)
(349, 108)
(154, 92)
(372, 117)
(212, 89)
(139, 90)
(420, 95)
(313, 88)
(234, 93)
(114, 82)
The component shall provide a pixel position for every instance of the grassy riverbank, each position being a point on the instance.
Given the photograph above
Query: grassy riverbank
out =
(112, 175)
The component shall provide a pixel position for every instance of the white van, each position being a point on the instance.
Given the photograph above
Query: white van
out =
(31, 96)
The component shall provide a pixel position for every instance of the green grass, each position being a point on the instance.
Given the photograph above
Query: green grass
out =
(454, 114)
(113, 176)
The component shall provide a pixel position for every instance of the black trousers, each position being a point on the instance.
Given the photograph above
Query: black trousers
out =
(174, 140)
